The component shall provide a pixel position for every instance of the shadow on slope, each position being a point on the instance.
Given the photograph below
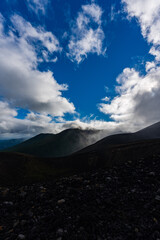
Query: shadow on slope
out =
(20, 169)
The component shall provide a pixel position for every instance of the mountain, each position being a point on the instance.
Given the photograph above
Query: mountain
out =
(72, 140)
(9, 143)
(109, 152)
(16, 168)
(56, 145)
(148, 133)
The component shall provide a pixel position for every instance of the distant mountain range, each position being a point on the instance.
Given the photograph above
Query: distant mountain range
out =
(56, 145)
(9, 143)
(72, 140)
(110, 151)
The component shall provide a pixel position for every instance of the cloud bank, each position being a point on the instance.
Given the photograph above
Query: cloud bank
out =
(34, 123)
(21, 83)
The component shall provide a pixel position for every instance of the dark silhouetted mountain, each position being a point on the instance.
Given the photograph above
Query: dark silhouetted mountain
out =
(56, 145)
(9, 143)
(151, 132)
(109, 152)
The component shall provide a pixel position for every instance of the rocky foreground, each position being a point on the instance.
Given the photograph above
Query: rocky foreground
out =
(118, 203)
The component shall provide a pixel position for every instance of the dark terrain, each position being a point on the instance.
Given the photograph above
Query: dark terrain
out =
(109, 190)
(57, 145)
(122, 202)
(114, 149)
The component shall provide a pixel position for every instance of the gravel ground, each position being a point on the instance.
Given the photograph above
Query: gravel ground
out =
(118, 203)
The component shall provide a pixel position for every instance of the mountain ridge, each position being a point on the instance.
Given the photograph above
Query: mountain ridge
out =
(150, 132)
(56, 145)
(20, 168)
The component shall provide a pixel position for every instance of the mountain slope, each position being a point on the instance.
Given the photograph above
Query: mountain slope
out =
(109, 152)
(151, 132)
(56, 145)
(20, 169)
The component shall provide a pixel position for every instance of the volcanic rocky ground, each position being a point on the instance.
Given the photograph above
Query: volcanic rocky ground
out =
(121, 202)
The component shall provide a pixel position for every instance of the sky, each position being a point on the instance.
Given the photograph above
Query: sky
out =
(83, 64)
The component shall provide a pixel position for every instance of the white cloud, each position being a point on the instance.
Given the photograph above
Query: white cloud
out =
(138, 96)
(6, 111)
(85, 37)
(38, 6)
(155, 51)
(147, 12)
(27, 32)
(150, 65)
(21, 82)
(93, 11)
(34, 123)
(105, 99)
(107, 127)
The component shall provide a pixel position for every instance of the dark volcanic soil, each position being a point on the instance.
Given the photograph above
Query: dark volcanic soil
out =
(119, 203)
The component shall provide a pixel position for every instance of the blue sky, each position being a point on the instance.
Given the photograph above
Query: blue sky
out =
(87, 64)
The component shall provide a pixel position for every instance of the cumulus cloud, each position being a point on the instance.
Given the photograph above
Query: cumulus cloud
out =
(6, 111)
(148, 15)
(147, 12)
(21, 82)
(34, 123)
(86, 34)
(38, 6)
(138, 96)
(47, 42)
